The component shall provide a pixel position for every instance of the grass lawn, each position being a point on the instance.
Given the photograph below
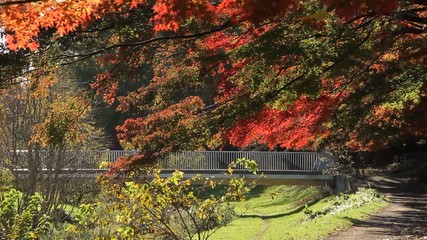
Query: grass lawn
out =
(278, 213)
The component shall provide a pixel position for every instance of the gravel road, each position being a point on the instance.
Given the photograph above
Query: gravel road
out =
(405, 218)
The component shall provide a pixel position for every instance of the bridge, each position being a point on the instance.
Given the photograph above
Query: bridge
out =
(279, 168)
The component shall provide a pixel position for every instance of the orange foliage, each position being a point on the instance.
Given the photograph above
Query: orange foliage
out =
(298, 127)
(169, 15)
(24, 21)
(254, 10)
(226, 88)
(161, 129)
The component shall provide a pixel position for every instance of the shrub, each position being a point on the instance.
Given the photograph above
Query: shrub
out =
(160, 208)
(22, 223)
(345, 201)
(6, 180)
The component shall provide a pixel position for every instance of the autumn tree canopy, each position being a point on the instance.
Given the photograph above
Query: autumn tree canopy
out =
(206, 73)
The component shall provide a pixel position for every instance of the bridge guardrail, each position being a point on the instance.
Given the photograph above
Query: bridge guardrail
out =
(219, 160)
(188, 160)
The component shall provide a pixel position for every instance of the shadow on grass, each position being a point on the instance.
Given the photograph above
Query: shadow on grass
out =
(405, 224)
(220, 190)
(297, 210)
(257, 191)
(298, 198)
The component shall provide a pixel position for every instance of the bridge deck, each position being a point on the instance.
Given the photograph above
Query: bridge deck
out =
(264, 178)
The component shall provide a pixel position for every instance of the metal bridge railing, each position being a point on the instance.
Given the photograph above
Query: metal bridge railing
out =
(186, 160)
(219, 160)
(84, 159)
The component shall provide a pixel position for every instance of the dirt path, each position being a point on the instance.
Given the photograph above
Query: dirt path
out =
(405, 218)
(262, 230)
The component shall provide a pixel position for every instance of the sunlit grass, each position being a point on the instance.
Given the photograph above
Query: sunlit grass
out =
(241, 228)
(278, 213)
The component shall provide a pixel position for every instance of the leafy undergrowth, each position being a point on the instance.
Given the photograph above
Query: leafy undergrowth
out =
(363, 197)
(298, 212)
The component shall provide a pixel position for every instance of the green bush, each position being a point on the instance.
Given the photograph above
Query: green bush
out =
(22, 222)
(6, 180)
(163, 208)
(159, 208)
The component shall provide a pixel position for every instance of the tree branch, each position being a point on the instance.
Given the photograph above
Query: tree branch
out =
(148, 41)
(10, 3)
